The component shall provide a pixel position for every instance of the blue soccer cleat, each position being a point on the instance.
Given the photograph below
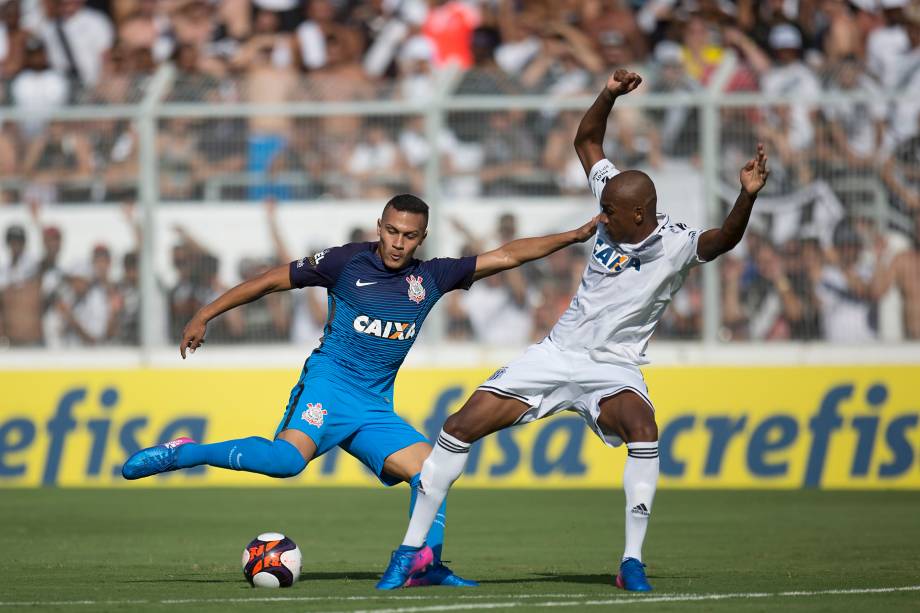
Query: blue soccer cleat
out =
(404, 564)
(153, 460)
(439, 574)
(632, 576)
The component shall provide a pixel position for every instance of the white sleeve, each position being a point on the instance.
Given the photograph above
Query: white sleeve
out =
(682, 246)
(601, 172)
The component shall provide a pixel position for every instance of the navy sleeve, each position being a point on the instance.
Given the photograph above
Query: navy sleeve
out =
(453, 273)
(323, 269)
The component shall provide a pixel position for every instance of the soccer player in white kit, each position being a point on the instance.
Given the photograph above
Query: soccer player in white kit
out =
(590, 361)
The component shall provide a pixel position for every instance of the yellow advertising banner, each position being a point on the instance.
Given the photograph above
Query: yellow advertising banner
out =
(745, 427)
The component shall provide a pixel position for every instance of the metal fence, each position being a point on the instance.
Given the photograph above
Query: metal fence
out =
(212, 192)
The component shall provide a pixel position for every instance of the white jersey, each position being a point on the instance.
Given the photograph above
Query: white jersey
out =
(625, 288)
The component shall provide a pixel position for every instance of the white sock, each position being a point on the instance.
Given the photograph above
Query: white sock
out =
(443, 466)
(639, 481)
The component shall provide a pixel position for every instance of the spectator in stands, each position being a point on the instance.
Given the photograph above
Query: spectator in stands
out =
(20, 293)
(886, 45)
(678, 126)
(902, 273)
(195, 23)
(394, 31)
(287, 12)
(521, 39)
(197, 285)
(127, 302)
(305, 313)
(615, 31)
(789, 130)
(839, 31)
(901, 175)
(222, 148)
(774, 305)
(90, 311)
(12, 41)
(311, 35)
(856, 128)
(510, 155)
(905, 120)
(485, 76)
(198, 77)
(78, 39)
(37, 87)
(568, 175)
(414, 70)
(267, 320)
(557, 277)
(450, 25)
(701, 52)
(270, 79)
(846, 308)
(180, 160)
(565, 64)
(61, 157)
(499, 310)
(376, 164)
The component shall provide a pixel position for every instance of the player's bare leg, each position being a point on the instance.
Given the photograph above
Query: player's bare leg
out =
(628, 416)
(483, 414)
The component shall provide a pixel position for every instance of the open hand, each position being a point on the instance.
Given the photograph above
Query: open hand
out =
(192, 336)
(622, 82)
(755, 172)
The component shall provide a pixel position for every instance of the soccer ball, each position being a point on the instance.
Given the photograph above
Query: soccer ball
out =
(271, 560)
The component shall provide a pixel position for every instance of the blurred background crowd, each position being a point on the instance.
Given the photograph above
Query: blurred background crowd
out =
(833, 252)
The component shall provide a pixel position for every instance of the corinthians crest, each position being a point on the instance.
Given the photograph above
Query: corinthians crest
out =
(416, 290)
(314, 414)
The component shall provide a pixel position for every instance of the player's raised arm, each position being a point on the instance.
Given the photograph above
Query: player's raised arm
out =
(517, 252)
(713, 243)
(275, 280)
(589, 140)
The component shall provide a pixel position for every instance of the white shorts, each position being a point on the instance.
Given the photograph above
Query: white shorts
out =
(550, 380)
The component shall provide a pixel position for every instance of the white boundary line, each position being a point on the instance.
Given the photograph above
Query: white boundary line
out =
(632, 600)
(517, 600)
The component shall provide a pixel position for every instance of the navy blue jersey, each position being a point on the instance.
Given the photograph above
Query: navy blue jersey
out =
(375, 313)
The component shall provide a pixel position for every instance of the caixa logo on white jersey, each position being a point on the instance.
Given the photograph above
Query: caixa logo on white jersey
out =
(610, 259)
(394, 330)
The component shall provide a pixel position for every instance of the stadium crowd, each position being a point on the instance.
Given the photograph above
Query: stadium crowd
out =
(840, 215)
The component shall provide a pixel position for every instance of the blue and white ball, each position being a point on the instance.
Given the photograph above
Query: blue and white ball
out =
(271, 560)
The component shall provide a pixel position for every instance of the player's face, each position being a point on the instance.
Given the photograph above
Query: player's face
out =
(401, 233)
(619, 222)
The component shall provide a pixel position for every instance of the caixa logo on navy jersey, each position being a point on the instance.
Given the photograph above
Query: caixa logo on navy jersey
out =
(610, 259)
(393, 330)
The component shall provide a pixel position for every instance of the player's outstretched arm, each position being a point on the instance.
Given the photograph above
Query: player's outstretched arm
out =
(517, 252)
(589, 140)
(713, 243)
(275, 280)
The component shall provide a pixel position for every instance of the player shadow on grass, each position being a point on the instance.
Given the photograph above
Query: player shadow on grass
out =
(598, 579)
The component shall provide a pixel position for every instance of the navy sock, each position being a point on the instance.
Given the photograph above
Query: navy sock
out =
(276, 458)
(435, 538)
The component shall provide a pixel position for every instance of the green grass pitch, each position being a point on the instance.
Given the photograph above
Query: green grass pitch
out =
(179, 550)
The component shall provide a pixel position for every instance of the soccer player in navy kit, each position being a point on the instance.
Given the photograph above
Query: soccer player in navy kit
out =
(379, 295)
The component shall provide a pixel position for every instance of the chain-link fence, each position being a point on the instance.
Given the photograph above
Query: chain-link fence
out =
(163, 200)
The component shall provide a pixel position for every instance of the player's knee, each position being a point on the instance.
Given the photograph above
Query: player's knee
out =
(461, 428)
(645, 431)
(287, 461)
